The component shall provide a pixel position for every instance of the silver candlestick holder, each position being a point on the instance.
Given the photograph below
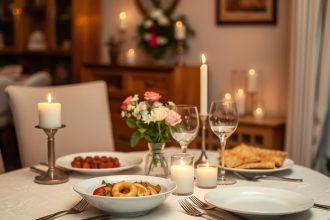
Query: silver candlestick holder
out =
(180, 52)
(203, 157)
(53, 174)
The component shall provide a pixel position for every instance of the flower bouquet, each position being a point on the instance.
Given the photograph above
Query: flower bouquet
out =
(152, 121)
(156, 33)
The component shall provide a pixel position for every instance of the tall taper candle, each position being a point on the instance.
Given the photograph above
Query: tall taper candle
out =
(180, 30)
(203, 86)
(49, 114)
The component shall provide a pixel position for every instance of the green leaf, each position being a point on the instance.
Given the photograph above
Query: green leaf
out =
(142, 130)
(131, 123)
(136, 136)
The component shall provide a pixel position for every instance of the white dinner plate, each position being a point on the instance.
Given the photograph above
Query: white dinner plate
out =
(127, 161)
(262, 201)
(288, 163)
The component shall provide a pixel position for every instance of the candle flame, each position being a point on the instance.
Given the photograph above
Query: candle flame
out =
(131, 52)
(259, 110)
(49, 97)
(240, 92)
(122, 15)
(203, 57)
(252, 72)
(227, 96)
(178, 24)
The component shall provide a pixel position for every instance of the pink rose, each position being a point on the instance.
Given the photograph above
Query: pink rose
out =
(152, 96)
(173, 118)
(152, 40)
(126, 103)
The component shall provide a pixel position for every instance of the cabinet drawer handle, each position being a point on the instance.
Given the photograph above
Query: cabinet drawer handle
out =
(123, 137)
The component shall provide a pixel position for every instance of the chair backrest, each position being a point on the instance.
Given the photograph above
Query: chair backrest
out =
(2, 169)
(4, 106)
(41, 78)
(11, 71)
(85, 112)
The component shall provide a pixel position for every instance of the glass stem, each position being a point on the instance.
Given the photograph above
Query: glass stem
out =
(184, 148)
(222, 152)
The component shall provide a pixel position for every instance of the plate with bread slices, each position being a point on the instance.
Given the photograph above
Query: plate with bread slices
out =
(250, 159)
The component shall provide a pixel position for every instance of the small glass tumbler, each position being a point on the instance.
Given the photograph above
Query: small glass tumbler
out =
(182, 173)
(207, 175)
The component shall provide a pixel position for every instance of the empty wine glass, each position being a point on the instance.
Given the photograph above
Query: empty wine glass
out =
(223, 119)
(187, 130)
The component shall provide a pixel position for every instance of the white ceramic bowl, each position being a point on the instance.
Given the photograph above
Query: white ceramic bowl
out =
(129, 206)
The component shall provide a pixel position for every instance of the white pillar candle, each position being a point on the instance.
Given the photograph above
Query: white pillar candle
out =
(122, 21)
(49, 114)
(203, 86)
(206, 175)
(183, 175)
(258, 113)
(180, 30)
(240, 101)
(130, 57)
(252, 81)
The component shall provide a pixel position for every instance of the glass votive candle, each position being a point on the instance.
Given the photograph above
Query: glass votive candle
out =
(207, 175)
(182, 173)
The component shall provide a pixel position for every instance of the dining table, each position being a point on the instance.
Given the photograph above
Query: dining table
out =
(22, 198)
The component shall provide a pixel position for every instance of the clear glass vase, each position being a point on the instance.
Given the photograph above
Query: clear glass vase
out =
(156, 162)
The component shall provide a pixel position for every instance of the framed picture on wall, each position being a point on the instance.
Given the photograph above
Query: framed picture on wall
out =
(246, 12)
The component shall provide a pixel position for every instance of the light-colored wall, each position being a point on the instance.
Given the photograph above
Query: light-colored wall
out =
(228, 48)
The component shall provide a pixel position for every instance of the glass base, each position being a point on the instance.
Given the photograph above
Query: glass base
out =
(182, 194)
(226, 181)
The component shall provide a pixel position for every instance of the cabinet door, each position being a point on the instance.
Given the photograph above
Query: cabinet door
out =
(62, 25)
(8, 11)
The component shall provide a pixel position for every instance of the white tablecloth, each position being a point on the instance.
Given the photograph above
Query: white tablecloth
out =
(21, 198)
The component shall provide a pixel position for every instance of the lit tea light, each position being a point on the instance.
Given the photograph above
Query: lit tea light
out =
(182, 173)
(258, 113)
(49, 114)
(227, 97)
(206, 175)
(131, 56)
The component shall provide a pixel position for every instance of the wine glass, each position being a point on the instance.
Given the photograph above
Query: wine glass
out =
(188, 128)
(223, 119)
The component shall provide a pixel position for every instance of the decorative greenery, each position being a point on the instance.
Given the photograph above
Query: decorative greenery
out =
(156, 33)
(151, 118)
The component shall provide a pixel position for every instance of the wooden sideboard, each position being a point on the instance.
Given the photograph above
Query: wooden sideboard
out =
(180, 84)
(266, 133)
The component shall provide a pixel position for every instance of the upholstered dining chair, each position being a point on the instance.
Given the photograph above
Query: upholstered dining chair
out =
(11, 71)
(85, 112)
(2, 169)
(41, 78)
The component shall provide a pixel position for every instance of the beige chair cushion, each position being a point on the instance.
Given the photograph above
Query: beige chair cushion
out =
(85, 112)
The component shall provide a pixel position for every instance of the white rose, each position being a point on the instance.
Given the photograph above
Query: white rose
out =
(163, 21)
(138, 110)
(146, 36)
(158, 114)
(162, 40)
(148, 23)
(156, 13)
